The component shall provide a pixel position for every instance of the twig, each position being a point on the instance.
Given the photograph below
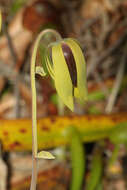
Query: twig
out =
(8, 72)
(105, 54)
(14, 58)
(10, 44)
(88, 23)
(119, 77)
(115, 26)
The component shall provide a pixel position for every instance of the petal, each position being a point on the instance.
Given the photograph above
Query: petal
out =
(62, 78)
(81, 90)
(70, 61)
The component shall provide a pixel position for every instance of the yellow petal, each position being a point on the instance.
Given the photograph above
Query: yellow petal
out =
(81, 90)
(62, 78)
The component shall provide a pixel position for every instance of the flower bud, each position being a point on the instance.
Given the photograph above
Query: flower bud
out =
(70, 61)
(66, 65)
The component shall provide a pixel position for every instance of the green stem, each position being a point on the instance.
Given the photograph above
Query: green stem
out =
(34, 108)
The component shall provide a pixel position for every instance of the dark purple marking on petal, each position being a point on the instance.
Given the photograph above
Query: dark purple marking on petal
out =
(70, 61)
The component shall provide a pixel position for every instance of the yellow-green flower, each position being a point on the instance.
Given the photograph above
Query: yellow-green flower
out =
(66, 65)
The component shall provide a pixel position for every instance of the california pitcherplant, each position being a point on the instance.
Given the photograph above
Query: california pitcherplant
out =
(66, 65)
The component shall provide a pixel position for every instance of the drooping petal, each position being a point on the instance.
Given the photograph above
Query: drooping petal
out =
(62, 77)
(81, 90)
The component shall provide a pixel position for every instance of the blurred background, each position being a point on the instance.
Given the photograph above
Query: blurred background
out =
(101, 28)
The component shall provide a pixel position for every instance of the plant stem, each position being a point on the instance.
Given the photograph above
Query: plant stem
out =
(34, 107)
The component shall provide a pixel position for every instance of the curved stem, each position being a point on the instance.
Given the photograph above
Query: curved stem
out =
(34, 107)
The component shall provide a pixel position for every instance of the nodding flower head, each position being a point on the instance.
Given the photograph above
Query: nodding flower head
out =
(66, 65)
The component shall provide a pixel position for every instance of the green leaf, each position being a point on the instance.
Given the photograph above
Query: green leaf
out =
(16, 5)
(119, 134)
(81, 90)
(45, 155)
(62, 78)
(40, 71)
(96, 172)
(94, 110)
(77, 159)
(96, 96)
